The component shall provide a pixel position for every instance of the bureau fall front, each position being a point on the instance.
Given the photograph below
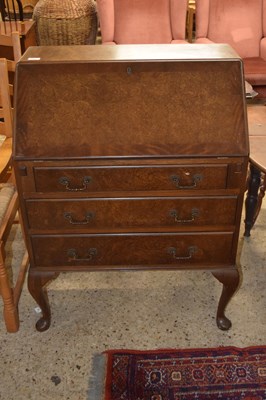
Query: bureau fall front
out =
(131, 157)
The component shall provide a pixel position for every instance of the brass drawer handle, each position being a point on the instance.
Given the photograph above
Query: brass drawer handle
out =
(196, 178)
(191, 251)
(87, 220)
(73, 255)
(194, 214)
(66, 182)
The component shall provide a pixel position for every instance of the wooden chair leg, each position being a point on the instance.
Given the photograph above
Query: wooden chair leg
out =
(261, 194)
(21, 278)
(252, 198)
(10, 310)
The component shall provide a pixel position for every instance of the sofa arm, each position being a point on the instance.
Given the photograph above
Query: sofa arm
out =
(263, 48)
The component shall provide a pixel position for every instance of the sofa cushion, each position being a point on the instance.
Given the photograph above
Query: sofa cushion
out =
(137, 22)
(240, 25)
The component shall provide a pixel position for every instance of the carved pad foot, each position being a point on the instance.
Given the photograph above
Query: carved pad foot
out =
(224, 323)
(43, 324)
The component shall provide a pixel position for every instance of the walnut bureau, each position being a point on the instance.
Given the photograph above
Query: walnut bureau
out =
(128, 158)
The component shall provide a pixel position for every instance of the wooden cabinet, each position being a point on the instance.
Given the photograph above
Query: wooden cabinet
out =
(131, 157)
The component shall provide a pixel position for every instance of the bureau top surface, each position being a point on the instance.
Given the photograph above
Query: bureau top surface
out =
(130, 101)
(173, 52)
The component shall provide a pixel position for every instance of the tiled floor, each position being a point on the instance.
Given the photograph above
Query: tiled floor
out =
(92, 312)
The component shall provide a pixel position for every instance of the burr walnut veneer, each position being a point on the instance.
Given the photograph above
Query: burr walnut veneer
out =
(131, 157)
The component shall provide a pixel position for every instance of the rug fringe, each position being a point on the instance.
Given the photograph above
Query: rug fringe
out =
(97, 377)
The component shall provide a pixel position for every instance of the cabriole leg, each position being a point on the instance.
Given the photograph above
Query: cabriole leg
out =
(230, 281)
(36, 283)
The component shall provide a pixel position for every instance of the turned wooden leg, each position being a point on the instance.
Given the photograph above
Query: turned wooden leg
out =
(10, 309)
(36, 285)
(230, 280)
(261, 195)
(252, 198)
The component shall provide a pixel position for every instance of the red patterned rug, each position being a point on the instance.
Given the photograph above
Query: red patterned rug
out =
(225, 373)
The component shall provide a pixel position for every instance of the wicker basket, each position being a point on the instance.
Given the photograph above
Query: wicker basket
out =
(65, 22)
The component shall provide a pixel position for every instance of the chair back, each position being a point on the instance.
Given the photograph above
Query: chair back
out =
(11, 10)
(12, 40)
(7, 70)
(10, 287)
(6, 88)
(238, 23)
(6, 112)
(142, 22)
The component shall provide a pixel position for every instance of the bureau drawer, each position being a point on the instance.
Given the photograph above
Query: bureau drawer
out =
(134, 213)
(140, 178)
(132, 251)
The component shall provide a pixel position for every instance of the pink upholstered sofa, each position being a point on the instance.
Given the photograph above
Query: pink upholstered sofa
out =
(242, 24)
(142, 21)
